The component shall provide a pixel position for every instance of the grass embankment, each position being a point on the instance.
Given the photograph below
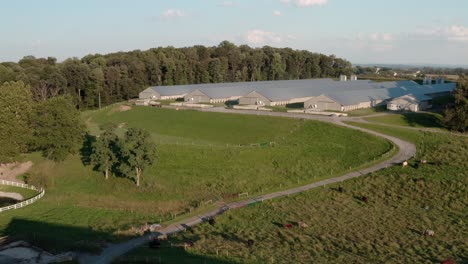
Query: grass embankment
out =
(418, 120)
(403, 202)
(201, 157)
(368, 111)
(26, 193)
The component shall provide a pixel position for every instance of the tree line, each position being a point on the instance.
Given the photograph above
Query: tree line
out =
(55, 128)
(105, 79)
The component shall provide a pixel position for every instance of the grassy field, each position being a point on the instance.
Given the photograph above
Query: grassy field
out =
(403, 202)
(202, 157)
(420, 120)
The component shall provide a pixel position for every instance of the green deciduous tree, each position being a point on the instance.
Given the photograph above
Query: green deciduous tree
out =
(15, 116)
(122, 75)
(58, 128)
(456, 117)
(137, 153)
(105, 151)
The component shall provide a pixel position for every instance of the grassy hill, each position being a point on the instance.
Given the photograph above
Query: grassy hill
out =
(202, 157)
(418, 120)
(403, 202)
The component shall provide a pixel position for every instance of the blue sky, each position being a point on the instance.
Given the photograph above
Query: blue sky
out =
(362, 31)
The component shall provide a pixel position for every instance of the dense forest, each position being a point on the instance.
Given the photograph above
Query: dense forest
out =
(120, 76)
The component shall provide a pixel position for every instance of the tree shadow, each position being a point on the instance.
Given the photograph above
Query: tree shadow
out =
(58, 238)
(423, 119)
(87, 149)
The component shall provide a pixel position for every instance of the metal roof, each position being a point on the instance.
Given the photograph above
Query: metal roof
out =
(344, 92)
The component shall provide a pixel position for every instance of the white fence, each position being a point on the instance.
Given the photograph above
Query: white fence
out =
(23, 203)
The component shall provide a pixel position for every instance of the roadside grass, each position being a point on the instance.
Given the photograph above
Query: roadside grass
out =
(367, 111)
(283, 109)
(420, 120)
(403, 202)
(203, 158)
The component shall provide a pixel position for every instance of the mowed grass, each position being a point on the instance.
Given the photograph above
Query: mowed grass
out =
(189, 126)
(203, 159)
(403, 202)
(419, 120)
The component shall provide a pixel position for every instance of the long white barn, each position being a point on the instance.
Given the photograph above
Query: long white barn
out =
(320, 94)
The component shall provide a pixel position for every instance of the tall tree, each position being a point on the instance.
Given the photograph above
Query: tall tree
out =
(105, 150)
(138, 152)
(122, 75)
(58, 128)
(456, 117)
(77, 75)
(15, 117)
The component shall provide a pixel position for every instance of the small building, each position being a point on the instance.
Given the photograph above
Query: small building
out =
(254, 98)
(410, 102)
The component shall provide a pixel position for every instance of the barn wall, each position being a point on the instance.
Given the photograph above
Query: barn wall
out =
(254, 98)
(406, 104)
(196, 97)
(322, 103)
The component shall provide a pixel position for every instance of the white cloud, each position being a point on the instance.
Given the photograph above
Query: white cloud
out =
(377, 42)
(172, 13)
(227, 3)
(260, 37)
(449, 33)
(457, 32)
(452, 33)
(307, 3)
(277, 13)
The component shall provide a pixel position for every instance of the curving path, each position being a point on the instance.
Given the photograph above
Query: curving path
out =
(406, 150)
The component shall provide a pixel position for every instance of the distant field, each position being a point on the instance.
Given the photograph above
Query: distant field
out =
(403, 202)
(202, 158)
(429, 120)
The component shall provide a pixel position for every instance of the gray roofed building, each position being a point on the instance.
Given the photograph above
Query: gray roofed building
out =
(349, 95)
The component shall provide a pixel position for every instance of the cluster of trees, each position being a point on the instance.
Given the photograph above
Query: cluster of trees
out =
(445, 71)
(456, 115)
(119, 76)
(53, 126)
(127, 157)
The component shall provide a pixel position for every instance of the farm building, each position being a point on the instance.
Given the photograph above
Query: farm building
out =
(196, 97)
(254, 98)
(409, 102)
(323, 102)
(317, 94)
